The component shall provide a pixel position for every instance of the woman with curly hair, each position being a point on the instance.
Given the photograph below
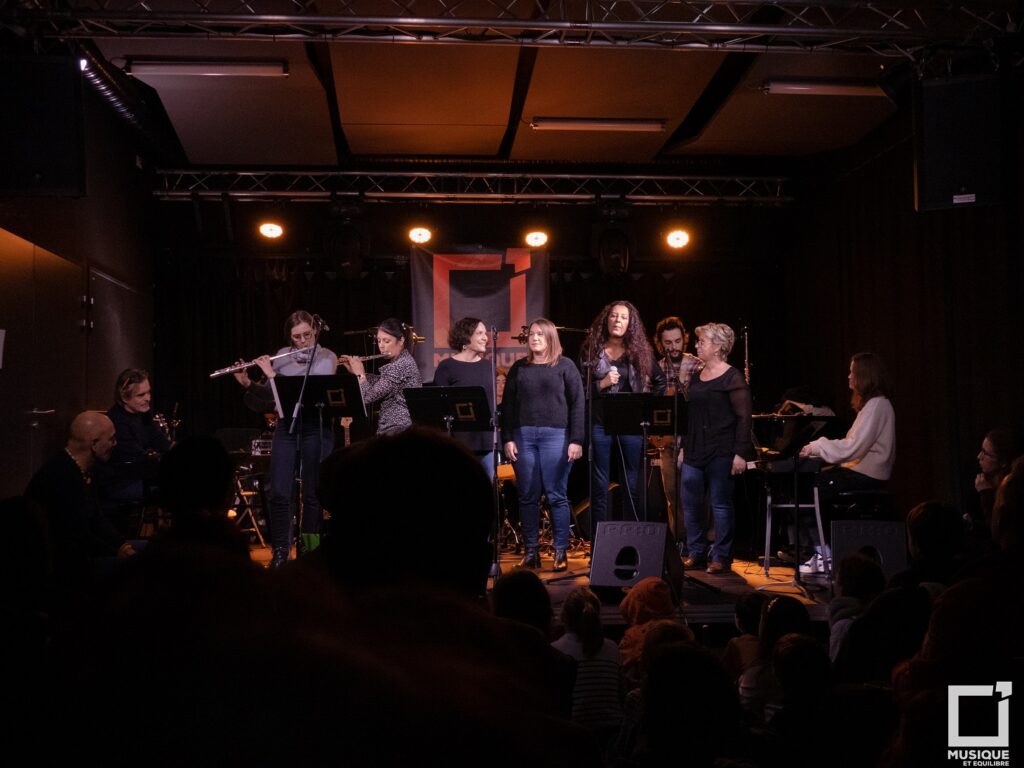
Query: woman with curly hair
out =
(621, 359)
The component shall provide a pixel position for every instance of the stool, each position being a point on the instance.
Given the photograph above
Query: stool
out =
(864, 505)
(795, 506)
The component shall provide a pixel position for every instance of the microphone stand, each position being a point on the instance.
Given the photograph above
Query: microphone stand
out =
(495, 571)
(300, 507)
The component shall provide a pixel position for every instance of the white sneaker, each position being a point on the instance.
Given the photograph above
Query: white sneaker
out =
(816, 564)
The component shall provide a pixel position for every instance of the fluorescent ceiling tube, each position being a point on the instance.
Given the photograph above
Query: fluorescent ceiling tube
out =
(624, 124)
(820, 88)
(216, 68)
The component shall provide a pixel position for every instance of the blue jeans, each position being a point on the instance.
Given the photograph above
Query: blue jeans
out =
(317, 443)
(543, 466)
(626, 450)
(716, 477)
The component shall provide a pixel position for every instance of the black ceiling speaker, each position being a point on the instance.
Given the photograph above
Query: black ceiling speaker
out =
(41, 130)
(347, 246)
(957, 143)
(612, 244)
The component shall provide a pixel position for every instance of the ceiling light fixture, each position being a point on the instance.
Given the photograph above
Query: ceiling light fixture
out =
(820, 88)
(420, 235)
(209, 68)
(536, 238)
(677, 238)
(271, 230)
(617, 124)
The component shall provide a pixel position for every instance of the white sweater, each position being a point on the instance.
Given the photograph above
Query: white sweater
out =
(870, 445)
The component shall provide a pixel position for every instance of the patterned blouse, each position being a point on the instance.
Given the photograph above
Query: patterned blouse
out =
(386, 387)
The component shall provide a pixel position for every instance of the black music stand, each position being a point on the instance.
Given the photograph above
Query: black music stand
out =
(334, 396)
(337, 395)
(642, 413)
(453, 409)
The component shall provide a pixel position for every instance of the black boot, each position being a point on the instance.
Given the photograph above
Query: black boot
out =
(279, 558)
(561, 563)
(531, 559)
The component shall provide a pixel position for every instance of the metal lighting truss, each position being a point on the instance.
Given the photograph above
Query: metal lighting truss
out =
(465, 188)
(888, 27)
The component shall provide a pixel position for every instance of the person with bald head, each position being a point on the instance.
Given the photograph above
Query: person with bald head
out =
(82, 540)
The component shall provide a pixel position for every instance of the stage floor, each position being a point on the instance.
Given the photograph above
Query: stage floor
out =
(707, 599)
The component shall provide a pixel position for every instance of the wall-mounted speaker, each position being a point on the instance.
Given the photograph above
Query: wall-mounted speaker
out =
(957, 143)
(41, 127)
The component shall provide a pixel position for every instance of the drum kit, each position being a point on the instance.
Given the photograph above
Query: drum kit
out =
(510, 538)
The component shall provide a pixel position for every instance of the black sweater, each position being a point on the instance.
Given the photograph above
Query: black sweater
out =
(543, 396)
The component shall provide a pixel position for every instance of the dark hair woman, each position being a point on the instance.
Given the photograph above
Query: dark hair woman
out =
(395, 339)
(469, 367)
(617, 349)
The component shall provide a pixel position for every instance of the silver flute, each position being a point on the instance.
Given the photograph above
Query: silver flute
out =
(242, 366)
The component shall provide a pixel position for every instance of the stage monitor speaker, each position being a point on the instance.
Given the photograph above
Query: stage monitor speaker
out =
(626, 552)
(886, 538)
(957, 143)
(41, 127)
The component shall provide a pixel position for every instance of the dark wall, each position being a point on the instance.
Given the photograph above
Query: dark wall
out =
(937, 294)
(99, 241)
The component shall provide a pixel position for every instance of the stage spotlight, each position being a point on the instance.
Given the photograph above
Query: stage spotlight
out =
(677, 238)
(536, 238)
(271, 230)
(420, 235)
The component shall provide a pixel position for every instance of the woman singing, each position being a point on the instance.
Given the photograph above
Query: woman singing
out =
(617, 349)
(717, 446)
(542, 431)
(469, 368)
(394, 339)
(317, 441)
(867, 452)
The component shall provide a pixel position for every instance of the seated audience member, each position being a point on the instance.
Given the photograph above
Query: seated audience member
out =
(646, 601)
(973, 634)
(859, 580)
(84, 543)
(597, 696)
(888, 631)
(759, 691)
(123, 482)
(936, 542)
(197, 486)
(742, 651)
(691, 715)
(631, 741)
(384, 492)
(520, 595)
(998, 450)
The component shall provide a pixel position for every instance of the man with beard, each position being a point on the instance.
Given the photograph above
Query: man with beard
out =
(670, 340)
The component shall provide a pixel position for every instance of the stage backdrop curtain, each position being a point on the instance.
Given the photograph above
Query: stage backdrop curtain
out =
(504, 289)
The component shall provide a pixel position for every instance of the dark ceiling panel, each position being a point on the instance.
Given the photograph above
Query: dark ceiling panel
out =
(239, 120)
(753, 123)
(589, 82)
(411, 99)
